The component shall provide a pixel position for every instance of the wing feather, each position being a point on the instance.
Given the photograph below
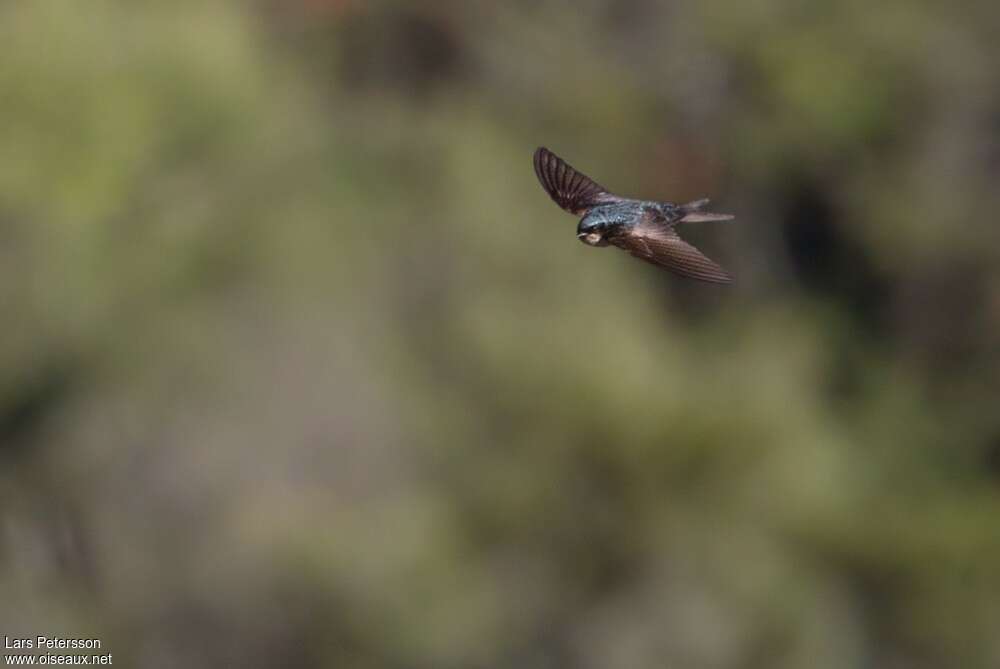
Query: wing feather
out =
(661, 245)
(572, 190)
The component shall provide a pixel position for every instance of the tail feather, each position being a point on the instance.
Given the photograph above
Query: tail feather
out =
(693, 214)
(696, 204)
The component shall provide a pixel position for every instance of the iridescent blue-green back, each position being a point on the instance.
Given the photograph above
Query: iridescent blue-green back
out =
(625, 213)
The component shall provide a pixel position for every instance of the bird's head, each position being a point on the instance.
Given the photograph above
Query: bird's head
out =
(591, 232)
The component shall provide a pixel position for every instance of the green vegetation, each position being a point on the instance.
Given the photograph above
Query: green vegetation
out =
(301, 367)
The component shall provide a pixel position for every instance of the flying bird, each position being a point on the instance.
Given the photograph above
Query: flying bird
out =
(644, 228)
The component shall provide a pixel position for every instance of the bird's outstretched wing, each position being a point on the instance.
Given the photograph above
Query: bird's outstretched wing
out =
(659, 244)
(573, 191)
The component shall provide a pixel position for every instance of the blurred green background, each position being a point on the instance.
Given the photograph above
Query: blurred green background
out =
(301, 367)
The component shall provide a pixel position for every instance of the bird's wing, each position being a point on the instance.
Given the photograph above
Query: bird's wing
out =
(660, 245)
(573, 191)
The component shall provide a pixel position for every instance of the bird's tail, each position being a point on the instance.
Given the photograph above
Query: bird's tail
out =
(693, 213)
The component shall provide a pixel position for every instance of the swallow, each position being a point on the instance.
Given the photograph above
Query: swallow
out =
(644, 228)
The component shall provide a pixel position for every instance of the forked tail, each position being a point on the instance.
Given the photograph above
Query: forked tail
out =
(693, 213)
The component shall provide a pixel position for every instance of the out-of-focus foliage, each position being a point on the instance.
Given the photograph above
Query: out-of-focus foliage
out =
(300, 367)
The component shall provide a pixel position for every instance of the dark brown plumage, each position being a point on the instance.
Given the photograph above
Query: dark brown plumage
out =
(661, 245)
(643, 228)
(573, 191)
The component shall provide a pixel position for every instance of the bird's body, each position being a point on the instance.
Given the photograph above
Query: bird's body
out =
(617, 218)
(644, 228)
